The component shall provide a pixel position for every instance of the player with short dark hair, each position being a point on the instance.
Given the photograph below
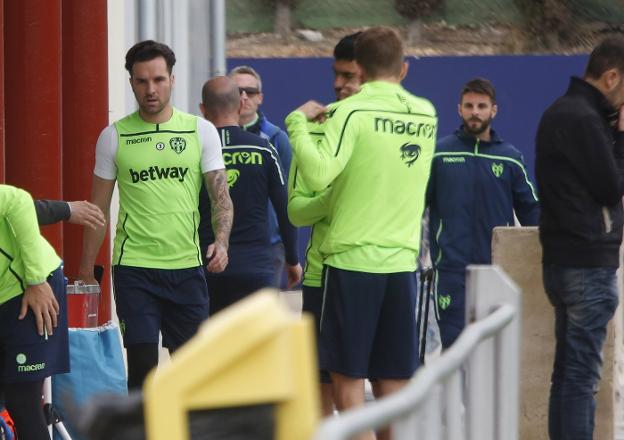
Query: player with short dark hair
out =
(478, 181)
(159, 157)
(347, 75)
(374, 143)
(308, 208)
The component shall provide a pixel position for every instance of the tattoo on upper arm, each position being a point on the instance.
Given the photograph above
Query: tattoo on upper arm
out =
(220, 203)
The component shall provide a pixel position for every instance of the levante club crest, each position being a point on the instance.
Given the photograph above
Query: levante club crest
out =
(178, 144)
(497, 169)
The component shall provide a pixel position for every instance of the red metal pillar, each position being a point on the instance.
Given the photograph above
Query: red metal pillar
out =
(85, 114)
(32, 43)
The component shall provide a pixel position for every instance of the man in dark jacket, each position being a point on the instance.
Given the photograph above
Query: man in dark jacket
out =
(477, 182)
(580, 174)
(253, 120)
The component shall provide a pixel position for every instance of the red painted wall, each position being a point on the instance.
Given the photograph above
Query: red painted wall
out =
(85, 114)
(53, 105)
(32, 62)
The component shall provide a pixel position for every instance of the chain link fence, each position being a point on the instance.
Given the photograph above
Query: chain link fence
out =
(258, 16)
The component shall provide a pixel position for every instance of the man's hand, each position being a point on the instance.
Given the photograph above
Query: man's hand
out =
(313, 111)
(293, 274)
(217, 257)
(40, 299)
(87, 276)
(86, 214)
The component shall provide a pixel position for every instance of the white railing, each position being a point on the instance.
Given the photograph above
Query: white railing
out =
(471, 391)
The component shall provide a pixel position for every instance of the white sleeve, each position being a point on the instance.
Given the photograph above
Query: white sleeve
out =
(211, 155)
(105, 153)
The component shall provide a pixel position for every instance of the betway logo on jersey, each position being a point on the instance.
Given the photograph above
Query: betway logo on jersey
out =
(398, 126)
(158, 173)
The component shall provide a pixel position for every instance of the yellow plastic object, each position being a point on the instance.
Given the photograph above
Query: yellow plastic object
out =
(251, 353)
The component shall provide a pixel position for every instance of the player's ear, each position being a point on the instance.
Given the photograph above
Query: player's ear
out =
(404, 70)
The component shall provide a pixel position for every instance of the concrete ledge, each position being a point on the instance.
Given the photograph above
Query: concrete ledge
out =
(518, 252)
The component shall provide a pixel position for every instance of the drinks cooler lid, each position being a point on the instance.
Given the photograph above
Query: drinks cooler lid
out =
(78, 288)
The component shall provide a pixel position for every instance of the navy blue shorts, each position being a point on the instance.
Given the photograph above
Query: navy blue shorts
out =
(149, 301)
(313, 304)
(24, 355)
(225, 290)
(450, 300)
(368, 324)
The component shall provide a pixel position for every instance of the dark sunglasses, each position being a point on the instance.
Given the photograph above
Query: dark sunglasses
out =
(249, 90)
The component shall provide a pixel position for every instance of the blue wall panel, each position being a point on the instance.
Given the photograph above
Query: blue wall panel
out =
(526, 85)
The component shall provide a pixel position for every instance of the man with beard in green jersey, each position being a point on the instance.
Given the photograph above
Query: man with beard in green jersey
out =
(159, 156)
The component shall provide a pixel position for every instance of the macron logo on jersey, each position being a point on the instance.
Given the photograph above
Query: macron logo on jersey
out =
(140, 140)
(158, 173)
(398, 126)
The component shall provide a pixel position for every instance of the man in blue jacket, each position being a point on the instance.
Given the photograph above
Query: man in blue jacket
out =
(477, 182)
(253, 120)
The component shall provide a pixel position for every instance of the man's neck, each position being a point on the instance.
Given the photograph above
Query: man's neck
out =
(485, 136)
(250, 121)
(389, 79)
(224, 121)
(158, 118)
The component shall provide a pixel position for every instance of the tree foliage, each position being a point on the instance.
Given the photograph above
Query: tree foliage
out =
(416, 9)
(282, 21)
(547, 22)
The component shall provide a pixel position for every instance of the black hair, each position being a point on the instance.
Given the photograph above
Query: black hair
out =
(607, 55)
(481, 86)
(148, 50)
(345, 49)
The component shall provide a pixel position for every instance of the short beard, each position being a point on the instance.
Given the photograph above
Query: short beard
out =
(476, 132)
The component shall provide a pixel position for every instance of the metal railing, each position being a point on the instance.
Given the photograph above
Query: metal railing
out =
(471, 391)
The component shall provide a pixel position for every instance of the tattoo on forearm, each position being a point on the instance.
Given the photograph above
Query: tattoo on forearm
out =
(222, 210)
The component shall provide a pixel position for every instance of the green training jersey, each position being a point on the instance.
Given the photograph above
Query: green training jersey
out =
(376, 154)
(26, 258)
(159, 177)
(309, 208)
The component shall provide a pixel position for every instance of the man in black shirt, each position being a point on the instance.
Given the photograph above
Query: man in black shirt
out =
(580, 175)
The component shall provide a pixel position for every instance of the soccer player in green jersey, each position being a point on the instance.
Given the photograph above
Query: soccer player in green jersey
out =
(308, 208)
(376, 152)
(33, 319)
(159, 157)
